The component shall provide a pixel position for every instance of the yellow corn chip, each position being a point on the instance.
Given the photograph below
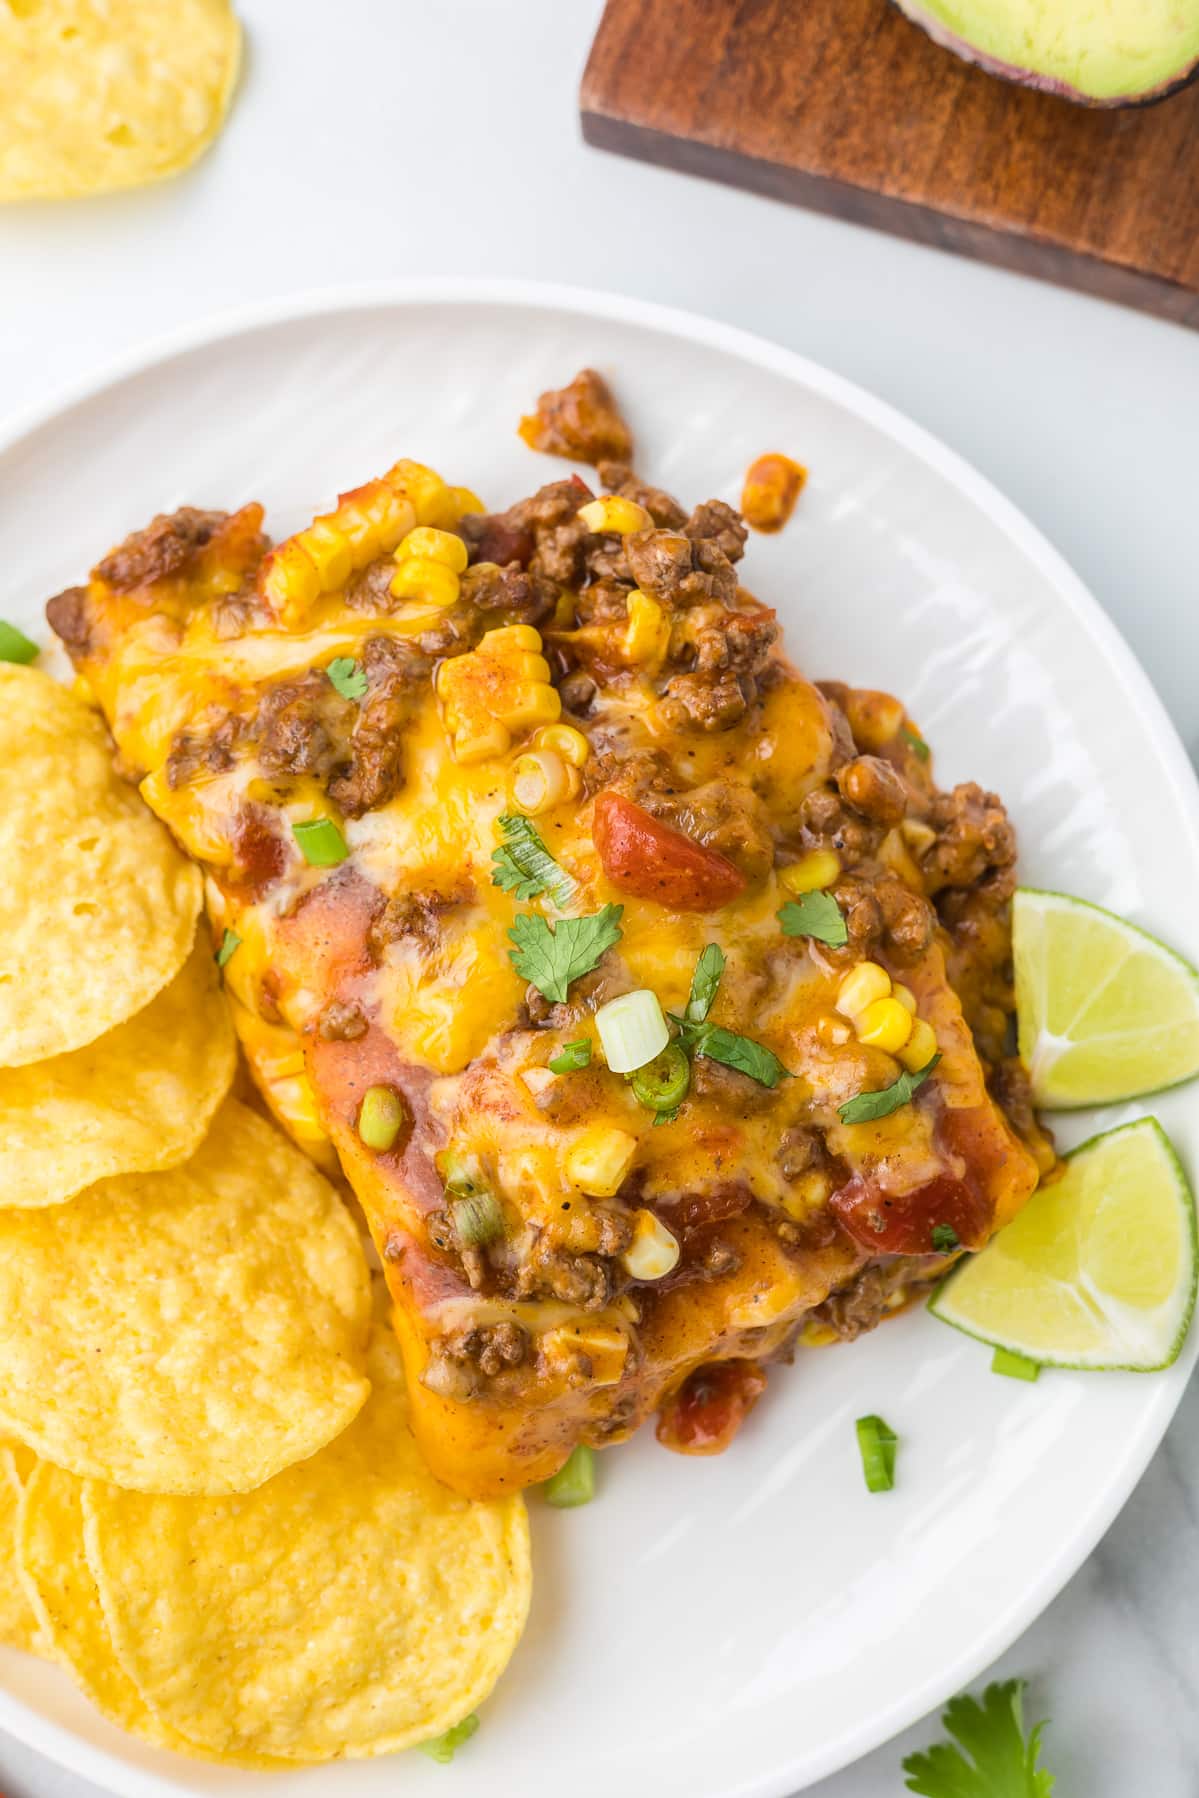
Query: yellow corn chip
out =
(18, 1621)
(97, 906)
(137, 1099)
(350, 1607)
(100, 94)
(189, 1331)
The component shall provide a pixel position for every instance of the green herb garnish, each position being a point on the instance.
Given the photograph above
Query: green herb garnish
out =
(15, 645)
(572, 1057)
(915, 743)
(704, 982)
(442, 1748)
(1014, 1366)
(1002, 1764)
(348, 676)
(478, 1220)
(816, 915)
(549, 958)
(867, 1106)
(229, 942)
(945, 1239)
(321, 843)
(877, 1445)
(524, 866)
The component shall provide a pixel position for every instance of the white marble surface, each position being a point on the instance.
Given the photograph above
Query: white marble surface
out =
(443, 140)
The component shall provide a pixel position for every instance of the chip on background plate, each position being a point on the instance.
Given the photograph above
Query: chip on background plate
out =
(60, 1591)
(102, 94)
(137, 1099)
(352, 1606)
(189, 1331)
(19, 1626)
(97, 906)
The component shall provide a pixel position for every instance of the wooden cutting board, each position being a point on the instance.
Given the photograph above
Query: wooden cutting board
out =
(845, 107)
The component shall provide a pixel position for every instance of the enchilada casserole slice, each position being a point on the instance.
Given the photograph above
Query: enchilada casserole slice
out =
(457, 781)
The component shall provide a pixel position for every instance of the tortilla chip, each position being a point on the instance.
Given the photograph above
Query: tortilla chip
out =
(102, 94)
(97, 906)
(190, 1331)
(136, 1100)
(18, 1621)
(351, 1607)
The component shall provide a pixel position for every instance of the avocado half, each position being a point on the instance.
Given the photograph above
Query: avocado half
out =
(1098, 52)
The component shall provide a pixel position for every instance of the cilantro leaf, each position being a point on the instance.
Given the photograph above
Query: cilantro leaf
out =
(1003, 1764)
(865, 1107)
(525, 867)
(348, 676)
(740, 1052)
(816, 915)
(945, 1239)
(704, 981)
(915, 743)
(550, 958)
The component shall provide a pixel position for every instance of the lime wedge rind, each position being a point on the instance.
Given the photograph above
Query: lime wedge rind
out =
(1163, 1332)
(1058, 1063)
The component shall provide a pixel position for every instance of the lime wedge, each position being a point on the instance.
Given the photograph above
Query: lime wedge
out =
(1106, 1012)
(1098, 1270)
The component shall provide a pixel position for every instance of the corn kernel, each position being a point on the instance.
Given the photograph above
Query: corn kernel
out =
(920, 1047)
(473, 744)
(540, 704)
(434, 546)
(654, 1251)
(467, 501)
(884, 1025)
(291, 583)
(566, 741)
(427, 492)
(812, 872)
(329, 553)
(357, 526)
(507, 638)
(832, 1031)
(432, 582)
(906, 997)
(614, 516)
(599, 1158)
(541, 780)
(647, 634)
(918, 835)
(861, 987)
(393, 518)
(874, 718)
(604, 1349)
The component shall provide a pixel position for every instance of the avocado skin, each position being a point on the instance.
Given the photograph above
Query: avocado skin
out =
(1046, 84)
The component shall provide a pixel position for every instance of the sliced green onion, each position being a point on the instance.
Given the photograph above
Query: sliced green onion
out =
(1016, 1367)
(441, 1748)
(229, 942)
(572, 1057)
(632, 1030)
(321, 843)
(15, 645)
(574, 1482)
(380, 1118)
(876, 1444)
(478, 1220)
(663, 1082)
(915, 743)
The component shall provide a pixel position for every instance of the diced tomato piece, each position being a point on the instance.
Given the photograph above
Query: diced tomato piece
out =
(708, 1409)
(649, 860)
(903, 1224)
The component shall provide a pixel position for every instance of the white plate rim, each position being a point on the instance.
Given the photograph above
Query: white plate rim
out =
(60, 1744)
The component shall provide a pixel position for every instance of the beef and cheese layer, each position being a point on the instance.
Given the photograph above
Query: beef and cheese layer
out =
(458, 781)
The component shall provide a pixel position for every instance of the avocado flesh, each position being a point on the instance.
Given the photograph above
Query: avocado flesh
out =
(1102, 52)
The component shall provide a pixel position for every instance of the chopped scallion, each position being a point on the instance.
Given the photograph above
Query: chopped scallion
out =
(15, 645)
(229, 942)
(380, 1118)
(877, 1445)
(574, 1482)
(663, 1082)
(442, 1748)
(572, 1057)
(321, 843)
(478, 1220)
(632, 1030)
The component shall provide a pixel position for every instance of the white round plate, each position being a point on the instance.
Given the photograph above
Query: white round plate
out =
(736, 1627)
